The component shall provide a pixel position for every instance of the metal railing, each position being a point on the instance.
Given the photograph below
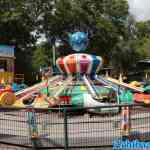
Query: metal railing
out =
(19, 78)
(67, 128)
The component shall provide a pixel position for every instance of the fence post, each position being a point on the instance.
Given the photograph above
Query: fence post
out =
(126, 122)
(33, 129)
(66, 144)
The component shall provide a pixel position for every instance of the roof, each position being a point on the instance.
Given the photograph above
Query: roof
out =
(144, 61)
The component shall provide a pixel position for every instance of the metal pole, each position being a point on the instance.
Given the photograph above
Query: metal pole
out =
(130, 125)
(47, 87)
(66, 144)
(33, 129)
(54, 57)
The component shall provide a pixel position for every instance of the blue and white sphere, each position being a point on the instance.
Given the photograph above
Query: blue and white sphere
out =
(79, 41)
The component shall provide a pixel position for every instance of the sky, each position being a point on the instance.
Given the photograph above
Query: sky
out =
(140, 9)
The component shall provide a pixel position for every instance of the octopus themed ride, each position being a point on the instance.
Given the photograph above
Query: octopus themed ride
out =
(77, 84)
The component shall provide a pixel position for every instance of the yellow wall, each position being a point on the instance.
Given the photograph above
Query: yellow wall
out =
(6, 77)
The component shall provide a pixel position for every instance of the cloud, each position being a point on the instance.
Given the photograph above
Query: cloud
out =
(140, 9)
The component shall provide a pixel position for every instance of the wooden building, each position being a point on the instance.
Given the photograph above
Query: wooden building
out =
(7, 59)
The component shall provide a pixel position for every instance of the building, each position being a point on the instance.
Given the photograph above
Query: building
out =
(7, 59)
(145, 66)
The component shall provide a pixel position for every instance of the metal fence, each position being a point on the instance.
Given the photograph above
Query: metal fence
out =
(73, 128)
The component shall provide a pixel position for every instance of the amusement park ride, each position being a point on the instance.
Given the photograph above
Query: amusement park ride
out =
(78, 84)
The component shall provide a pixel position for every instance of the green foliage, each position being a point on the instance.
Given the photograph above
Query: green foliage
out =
(15, 29)
(143, 40)
(15, 25)
(124, 56)
(143, 47)
(41, 56)
(104, 20)
(143, 29)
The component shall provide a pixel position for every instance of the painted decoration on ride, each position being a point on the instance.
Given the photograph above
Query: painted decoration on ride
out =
(142, 98)
(6, 51)
(78, 41)
(79, 63)
(125, 124)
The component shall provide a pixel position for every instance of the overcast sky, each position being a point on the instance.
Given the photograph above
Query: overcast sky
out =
(140, 9)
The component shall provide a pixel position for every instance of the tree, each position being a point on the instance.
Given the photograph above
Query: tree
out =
(105, 21)
(15, 29)
(42, 56)
(124, 57)
(143, 47)
(143, 40)
(143, 29)
(15, 26)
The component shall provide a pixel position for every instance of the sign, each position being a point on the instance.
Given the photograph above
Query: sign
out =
(130, 145)
(6, 51)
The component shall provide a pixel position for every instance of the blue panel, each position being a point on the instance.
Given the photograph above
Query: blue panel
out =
(7, 51)
(96, 62)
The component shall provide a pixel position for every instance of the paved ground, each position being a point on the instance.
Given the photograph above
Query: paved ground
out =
(6, 147)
